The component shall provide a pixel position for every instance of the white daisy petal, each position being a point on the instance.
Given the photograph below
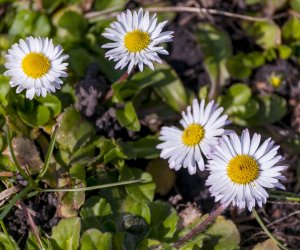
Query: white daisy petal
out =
(186, 148)
(35, 65)
(242, 163)
(134, 37)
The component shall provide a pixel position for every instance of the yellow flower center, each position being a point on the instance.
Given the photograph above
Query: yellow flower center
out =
(243, 169)
(275, 81)
(193, 134)
(35, 65)
(136, 41)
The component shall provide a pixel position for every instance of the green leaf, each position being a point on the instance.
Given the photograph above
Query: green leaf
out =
(148, 244)
(77, 56)
(93, 239)
(267, 244)
(4, 89)
(284, 51)
(224, 235)
(140, 192)
(51, 102)
(271, 109)
(253, 60)
(237, 68)
(23, 23)
(42, 26)
(95, 212)
(65, 235)
(164, 221)
(72, 201)
(295, 4)
(143, 148)
(127, 117)
(74, 131)
(240, 93)
(39, 116)
(267, 34)
(5, 243)
(142, 210)
(217, 48)
(291, 29)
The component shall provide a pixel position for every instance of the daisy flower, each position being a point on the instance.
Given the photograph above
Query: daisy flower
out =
(35, 65)
(202, 125)
(136, 37)
(241, 168)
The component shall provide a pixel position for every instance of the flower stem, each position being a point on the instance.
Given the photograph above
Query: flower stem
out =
(49, 152)
(267, 232)
(201, 227)
(120, 183)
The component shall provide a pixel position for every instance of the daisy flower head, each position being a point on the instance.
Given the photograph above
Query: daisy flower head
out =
(241, 168)
(136, 37)
(202, 124)
(35, 65)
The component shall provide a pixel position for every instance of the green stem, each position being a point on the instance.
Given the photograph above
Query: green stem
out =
(20, 169)
(7, 235)
(121, 183)
(13, 201)
(267, 232)
(49, 152)
(286, 198)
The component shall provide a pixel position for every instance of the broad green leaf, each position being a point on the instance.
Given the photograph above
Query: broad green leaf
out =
(72, 201)
(271, 109)
(51, 102)
(164, 221)
(148, 244)
(127, 117)
(74, 131)
(224, 235)
(216, 46)
(65, 235)
(23, 23)
(142, 210)
(267, 34)
(5, 243)
(291, 29)
(268, 244)
(39, 116)
(77, 56)
(95, 212)
(42, 26)
(165, 82)
(295, 4)
(253, 60)
(238, 95)
(93, 239)
(4, 89)
(140, 192)
(143, 148)
(170, 88)
(237, 68)
(284, 51)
